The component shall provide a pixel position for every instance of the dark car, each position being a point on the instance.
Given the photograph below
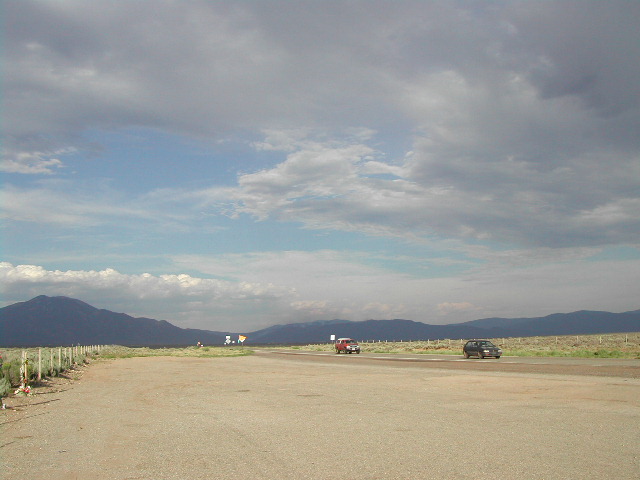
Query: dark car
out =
(480, 349)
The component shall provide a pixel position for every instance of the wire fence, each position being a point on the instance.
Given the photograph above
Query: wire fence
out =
(20, 367)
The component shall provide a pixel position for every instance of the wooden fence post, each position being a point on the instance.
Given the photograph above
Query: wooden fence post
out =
(39, 364)
(24, 369)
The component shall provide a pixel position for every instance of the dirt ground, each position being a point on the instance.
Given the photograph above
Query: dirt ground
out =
(264, 417)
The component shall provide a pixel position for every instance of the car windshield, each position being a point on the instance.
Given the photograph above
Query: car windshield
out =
(486, 344)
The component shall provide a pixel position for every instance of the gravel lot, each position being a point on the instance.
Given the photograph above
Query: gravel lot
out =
(272, 417)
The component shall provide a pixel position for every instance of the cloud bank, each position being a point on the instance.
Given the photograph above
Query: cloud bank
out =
(431, 143)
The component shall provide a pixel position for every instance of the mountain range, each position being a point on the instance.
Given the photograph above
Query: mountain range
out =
(53, 321)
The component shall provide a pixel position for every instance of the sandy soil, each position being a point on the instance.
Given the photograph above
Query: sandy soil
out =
(278, 418)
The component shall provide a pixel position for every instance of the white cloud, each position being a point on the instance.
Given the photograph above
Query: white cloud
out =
(47, 205)
(182, 298)
(142, 286)
(447, 194)
(31, 162)
(332, 284)
(447, 308)
(282, 140)
(623, 211)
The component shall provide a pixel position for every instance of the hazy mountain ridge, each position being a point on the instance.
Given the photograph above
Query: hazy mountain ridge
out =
(64, 321)
(47, 320)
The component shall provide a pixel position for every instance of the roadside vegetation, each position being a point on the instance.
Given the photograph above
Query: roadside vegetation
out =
(116, 351)
(618, 345)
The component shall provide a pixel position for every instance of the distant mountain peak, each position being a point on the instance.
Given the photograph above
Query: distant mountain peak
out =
(56, 299)
(59, 302)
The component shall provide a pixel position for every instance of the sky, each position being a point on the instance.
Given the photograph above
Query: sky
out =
(231, 165)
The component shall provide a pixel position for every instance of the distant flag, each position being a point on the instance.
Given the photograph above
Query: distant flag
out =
(241, 338)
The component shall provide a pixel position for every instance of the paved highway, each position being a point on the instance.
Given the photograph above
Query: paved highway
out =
(604, 367)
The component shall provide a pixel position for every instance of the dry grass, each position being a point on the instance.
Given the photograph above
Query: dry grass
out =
(116, 351)
(618, 345)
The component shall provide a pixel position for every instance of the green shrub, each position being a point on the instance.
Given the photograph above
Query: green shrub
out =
(5, 387)
(11, 372)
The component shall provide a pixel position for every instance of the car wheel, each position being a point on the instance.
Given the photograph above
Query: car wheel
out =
(358, 352)
(466, 354)
(497, 357)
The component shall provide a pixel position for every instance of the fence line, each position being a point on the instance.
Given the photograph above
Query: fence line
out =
(34, 364)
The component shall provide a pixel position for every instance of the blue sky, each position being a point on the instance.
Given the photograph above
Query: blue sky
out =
(234, 165)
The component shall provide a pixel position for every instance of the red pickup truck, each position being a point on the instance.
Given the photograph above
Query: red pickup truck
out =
(347, 345)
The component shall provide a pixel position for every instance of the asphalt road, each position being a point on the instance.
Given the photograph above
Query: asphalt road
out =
(605, 367)
(284, 416)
